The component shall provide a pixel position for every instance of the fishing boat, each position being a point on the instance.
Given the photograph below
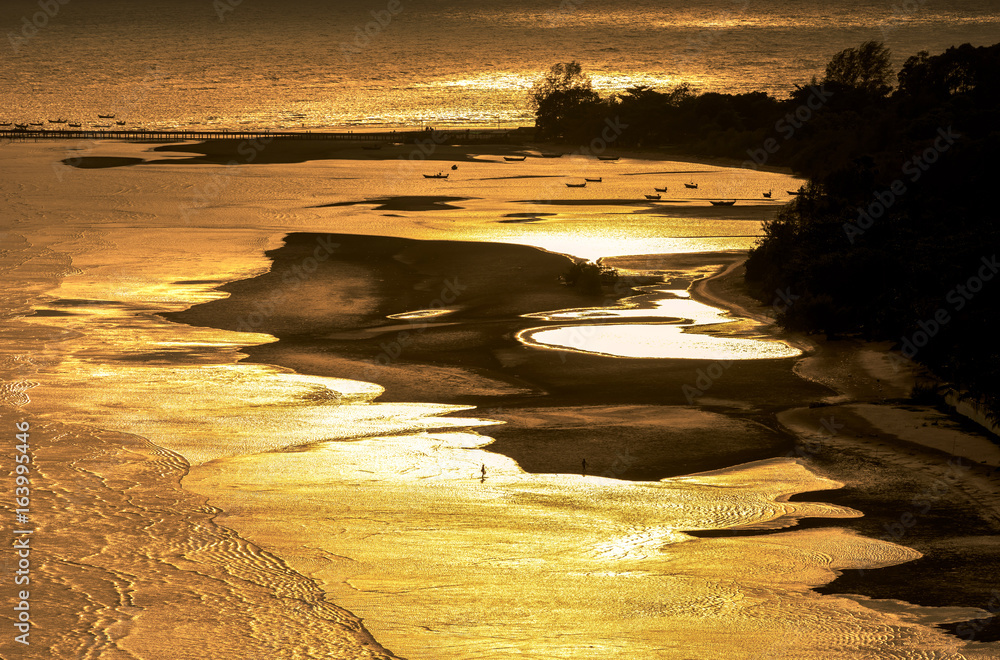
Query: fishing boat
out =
(731, 202)
(439, 175)
(768, 194)
(105, 116)
(794, 192)
(514, 159)
(691, 185)
(664, 189)
(58, 121)
(119, 123)
(597, 180)
(608, 157)
(653, 197)
(577, 185)
(35, 123)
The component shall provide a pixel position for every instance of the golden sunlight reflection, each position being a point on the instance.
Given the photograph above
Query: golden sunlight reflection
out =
(672, 334)
(654, 340)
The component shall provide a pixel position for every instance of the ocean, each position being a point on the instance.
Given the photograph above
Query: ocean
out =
(392, 63)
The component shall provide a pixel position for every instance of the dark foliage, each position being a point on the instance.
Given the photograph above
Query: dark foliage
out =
(897, 235)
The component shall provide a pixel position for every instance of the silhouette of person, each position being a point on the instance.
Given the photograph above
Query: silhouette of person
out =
(483, 478)
(584, 473)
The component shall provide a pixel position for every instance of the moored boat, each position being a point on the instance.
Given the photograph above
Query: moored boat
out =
(653, 197)
(577, 185)
(514, 159)
(691, 185)
(439, 175)
(731, 202)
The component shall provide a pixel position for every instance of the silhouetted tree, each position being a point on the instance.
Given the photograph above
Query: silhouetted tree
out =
(564, 101)
(866, 68)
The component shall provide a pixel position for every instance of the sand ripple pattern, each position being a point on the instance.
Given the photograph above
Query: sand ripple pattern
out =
(129, 555)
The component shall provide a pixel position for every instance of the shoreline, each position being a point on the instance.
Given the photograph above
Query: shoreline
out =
(944, 468)
(550, 416)
(436, 146)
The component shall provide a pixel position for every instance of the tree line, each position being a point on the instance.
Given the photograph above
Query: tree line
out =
(896, 236)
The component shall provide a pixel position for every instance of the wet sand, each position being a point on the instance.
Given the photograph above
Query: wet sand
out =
(924, 476)
(633, 418)
(277, 425)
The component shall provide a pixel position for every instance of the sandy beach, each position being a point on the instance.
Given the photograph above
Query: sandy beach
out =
(345, 385)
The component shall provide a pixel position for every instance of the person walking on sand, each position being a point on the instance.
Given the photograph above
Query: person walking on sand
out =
(584, 472)
(483, 478)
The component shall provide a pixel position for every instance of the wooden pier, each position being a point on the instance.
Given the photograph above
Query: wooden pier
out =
(141, 135)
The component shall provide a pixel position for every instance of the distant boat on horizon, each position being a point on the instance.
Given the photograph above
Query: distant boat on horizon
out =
(663, 189)
(439, 175)
(105, 116)
(654, 197)
(35, 123)
(58, 121)
(514, 159)
(577, 185)
(724, 203)
(597, 180)
(691, 185)
(120, 123)
(768, 194)
(794, 192)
